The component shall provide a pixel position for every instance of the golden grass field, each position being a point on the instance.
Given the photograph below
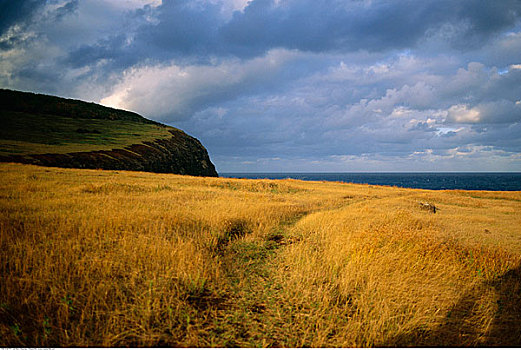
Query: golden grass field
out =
(115, 258)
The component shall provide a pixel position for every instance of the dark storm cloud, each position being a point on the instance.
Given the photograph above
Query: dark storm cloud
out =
(200, 30)
(13, 12)
(183, 27)
(324, 25)
(113, 49)
(328, 25)
(184, 30)
(22, 11)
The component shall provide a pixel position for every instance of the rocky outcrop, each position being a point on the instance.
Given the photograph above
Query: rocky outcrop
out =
(180, 154)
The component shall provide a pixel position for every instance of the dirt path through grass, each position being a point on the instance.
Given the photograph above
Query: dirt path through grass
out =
(253, 313)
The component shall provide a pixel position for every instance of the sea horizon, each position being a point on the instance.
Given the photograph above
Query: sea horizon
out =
(456, 180)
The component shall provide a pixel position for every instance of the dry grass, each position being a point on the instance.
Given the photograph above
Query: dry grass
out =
(105, 258)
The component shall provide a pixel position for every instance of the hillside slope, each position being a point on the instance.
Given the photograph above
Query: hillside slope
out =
(53, 131)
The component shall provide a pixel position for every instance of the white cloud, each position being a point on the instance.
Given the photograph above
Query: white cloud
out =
(401, 111)
(132, 4)
(173, 92)
(463, 114)
(235, 5)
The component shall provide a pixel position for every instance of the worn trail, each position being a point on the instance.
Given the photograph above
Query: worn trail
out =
(253, 311)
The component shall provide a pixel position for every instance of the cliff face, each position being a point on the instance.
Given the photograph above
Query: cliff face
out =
(181, 154)
(48, 118)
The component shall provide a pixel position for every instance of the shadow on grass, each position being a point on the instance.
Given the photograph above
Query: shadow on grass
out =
(461, 324)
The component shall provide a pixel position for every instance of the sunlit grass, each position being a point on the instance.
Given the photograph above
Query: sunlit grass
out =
(115, 258)
(24, 134)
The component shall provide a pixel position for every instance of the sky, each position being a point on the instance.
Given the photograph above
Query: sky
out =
(290, 85)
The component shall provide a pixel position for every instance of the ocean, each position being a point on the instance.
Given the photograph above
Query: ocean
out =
(431, 181)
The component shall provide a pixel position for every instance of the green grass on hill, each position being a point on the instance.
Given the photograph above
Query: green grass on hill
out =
(36, 124)
(24, 134)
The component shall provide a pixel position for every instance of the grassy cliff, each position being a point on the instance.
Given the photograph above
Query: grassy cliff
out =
(116, 258)
(53, 131)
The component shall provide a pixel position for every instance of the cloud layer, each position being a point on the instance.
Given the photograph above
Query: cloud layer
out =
(290, 85)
